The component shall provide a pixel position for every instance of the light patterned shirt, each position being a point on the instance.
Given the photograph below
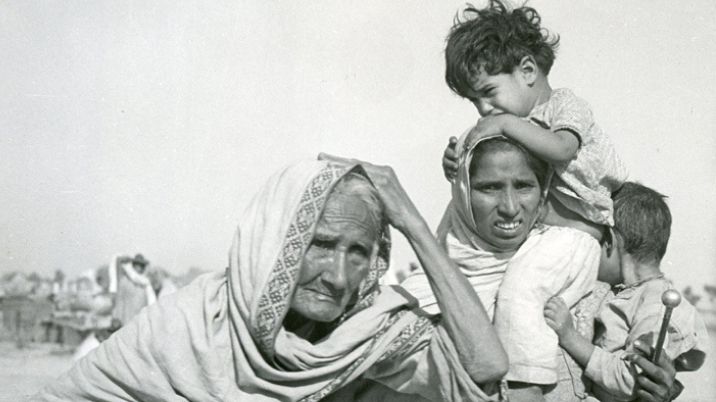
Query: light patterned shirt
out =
(584, 184)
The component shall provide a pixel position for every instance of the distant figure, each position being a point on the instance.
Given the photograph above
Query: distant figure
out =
(162, 282)
(133, 289)
(95, 300)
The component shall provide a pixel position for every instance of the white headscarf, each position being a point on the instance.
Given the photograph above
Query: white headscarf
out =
(457, 232)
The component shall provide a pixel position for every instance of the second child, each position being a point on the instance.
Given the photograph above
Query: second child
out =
(634, 311)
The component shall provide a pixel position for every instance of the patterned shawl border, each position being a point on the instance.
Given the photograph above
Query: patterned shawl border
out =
(274, 299)
(341, 379)
(405, 343)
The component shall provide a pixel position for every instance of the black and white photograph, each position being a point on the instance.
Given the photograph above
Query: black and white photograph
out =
(494, 200)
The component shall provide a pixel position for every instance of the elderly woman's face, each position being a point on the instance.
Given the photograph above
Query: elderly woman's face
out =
(505, 198)
(337, 260)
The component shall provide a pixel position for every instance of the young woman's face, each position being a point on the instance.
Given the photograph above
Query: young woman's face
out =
(505, 199)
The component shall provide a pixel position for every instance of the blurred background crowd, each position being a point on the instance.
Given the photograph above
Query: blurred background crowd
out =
(75, 313)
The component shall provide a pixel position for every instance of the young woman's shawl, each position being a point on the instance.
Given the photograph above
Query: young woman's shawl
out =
(221, 338)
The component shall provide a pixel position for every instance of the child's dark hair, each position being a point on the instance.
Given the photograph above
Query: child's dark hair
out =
(495, 38)
(642, 221)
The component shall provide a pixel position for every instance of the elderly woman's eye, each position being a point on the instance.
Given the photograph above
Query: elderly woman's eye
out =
(358, 258)
(322, 243)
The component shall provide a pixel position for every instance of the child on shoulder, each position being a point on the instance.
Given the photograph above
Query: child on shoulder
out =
(633, 312)
(499, 58)
(500, 61)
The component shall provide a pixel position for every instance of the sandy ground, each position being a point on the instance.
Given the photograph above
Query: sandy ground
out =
(24, 372)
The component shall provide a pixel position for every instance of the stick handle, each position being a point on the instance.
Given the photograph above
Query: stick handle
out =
(662, 336)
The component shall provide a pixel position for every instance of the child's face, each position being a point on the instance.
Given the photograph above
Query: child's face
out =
(502, 93)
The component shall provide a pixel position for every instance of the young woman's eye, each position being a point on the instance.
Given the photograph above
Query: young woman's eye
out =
(525, 186)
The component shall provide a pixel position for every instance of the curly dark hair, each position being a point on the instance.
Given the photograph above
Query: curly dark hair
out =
(495, 38)
(642, 221)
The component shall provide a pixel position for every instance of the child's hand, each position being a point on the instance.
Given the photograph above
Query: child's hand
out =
(487, 126)
(450, 160)
(656, 382)
(558, 317)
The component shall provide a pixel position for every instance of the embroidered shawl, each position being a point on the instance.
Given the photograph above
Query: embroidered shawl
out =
(222, 338)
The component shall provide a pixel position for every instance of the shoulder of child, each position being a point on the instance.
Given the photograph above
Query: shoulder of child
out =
(651, 291)
(569, 112)
(566, 99)
(686, 328)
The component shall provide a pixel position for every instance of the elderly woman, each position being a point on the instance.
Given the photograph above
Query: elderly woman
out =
(299, 313)
(493, 221)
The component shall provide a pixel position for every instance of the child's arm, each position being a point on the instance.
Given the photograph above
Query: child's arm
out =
(559, 319)
(612, 372)
(558, 146)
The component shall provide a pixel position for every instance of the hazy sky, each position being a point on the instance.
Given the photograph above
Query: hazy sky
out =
(134, 126)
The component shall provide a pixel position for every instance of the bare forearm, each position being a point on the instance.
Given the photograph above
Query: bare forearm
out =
(578, 347)
(463, 315)
(554, 147)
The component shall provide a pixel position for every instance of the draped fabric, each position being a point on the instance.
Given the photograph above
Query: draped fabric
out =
(457, 232)
(550, 261)
(484, 271)
(222, 338)
(458, 219)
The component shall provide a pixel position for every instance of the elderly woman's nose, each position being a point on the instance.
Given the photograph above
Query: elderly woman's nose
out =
(336, 273)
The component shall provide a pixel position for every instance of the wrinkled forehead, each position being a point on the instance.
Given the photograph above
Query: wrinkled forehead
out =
(348, 210)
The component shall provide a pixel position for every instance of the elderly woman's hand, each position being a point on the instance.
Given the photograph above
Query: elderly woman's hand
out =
(657, 383)
(464, 318)
(399, 208)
